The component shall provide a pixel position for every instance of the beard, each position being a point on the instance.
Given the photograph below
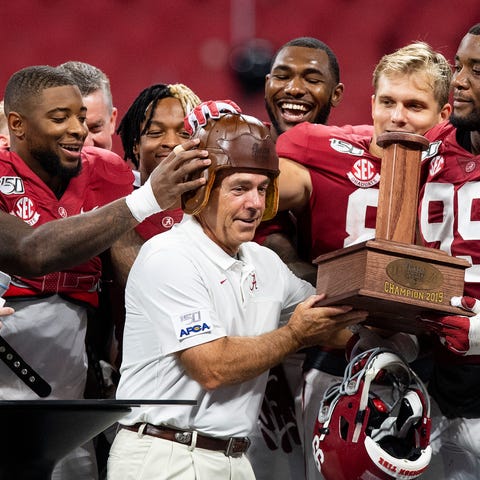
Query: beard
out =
(470, 122)
(50, 162)
(321, 117)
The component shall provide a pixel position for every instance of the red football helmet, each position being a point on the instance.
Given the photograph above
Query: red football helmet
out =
(374, 425)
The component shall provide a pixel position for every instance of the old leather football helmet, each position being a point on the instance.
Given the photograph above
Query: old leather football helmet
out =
(238, 143)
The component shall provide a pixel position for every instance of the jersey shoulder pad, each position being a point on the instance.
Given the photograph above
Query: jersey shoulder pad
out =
(6, 159)
(105, 165)
(293, 143)
(363, 130)
(439, 131)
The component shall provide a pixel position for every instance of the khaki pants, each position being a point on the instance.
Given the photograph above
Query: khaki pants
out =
(134, 456)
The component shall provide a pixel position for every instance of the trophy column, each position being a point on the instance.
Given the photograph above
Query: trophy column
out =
(399, 185)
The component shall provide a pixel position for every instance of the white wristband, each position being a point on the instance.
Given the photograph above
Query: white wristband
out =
(474, 336)
(142, 202)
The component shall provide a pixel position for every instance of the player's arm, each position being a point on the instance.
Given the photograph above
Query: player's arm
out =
(67, 242)
(122, 255)
(61, 243)
(232, 360)
(295, 185)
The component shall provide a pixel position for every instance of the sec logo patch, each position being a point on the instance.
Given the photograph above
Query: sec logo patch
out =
(26, 210)
(363, 174)
(436, 165)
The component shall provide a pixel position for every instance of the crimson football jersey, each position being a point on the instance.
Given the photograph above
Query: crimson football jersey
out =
(104, 177)
(345, 178)
(449, 207)
(449, 210)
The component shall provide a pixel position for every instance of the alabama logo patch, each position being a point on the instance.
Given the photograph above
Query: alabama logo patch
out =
(167, 222)
(363, 173)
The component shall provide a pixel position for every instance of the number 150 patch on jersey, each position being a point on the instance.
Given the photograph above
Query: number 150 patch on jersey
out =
(11, 186)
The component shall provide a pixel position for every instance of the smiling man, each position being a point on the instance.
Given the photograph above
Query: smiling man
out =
(208, 329)
(330, 177)
(150, 129)
(303, 84)
(48, 175)
(46, 179)
(411, 89)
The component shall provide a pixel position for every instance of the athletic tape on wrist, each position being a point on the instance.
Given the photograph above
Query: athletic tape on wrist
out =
(142, 202)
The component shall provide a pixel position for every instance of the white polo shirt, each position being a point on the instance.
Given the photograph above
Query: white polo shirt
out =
(184, 290)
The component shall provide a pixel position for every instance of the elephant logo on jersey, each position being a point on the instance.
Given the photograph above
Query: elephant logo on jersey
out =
(25, 209)
(167, 222)
(344, 147)
(363, 174)
(470, 166)
(11, 185)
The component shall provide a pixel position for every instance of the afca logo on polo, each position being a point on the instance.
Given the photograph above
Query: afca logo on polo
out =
(191, 324)
(189, 331)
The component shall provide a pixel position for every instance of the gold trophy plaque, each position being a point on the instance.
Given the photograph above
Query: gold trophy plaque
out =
(390, 277)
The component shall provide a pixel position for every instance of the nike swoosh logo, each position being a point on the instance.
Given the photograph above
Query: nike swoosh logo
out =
(85, 211)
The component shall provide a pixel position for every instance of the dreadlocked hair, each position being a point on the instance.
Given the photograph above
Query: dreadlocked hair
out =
(142, 109)
(187, 98)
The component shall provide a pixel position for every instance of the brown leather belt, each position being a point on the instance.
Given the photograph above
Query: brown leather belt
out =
(233, 447)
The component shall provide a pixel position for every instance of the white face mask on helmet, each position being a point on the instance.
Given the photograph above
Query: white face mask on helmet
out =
(375, 425)
(235, 143)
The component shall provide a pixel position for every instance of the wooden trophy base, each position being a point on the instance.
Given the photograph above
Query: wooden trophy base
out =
(395, 282)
